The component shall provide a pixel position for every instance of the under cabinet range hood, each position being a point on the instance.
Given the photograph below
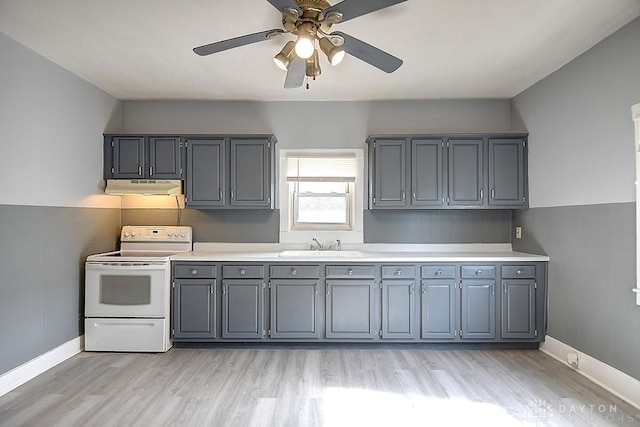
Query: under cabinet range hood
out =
(146, 187)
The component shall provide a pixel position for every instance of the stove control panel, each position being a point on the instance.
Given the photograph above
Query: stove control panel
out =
(136, 233)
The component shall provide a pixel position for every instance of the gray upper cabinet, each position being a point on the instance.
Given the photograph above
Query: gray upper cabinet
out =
(250, 172)
(389, 173)
(466, 172)
(142, 157)
(230, 172)
(427, 173)
(206, 173)
(507, 174)
(448, 171)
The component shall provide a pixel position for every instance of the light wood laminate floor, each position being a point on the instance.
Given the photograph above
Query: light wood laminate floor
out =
(371, 386)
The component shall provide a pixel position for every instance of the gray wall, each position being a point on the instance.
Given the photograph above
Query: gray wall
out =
(328, 125)
(51, 212)
(582, 173)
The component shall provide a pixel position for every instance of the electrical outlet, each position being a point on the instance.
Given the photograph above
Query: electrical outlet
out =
(573, 360)
(518, 232)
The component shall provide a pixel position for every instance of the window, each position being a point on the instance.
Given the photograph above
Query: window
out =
(321, 192)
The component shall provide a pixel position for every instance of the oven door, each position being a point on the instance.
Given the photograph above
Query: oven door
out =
(127, 290)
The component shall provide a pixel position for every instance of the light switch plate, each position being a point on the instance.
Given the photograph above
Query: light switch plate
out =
(518, 232)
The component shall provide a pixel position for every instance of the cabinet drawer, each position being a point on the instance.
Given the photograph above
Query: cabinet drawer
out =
(344, 271)
(294, 271)
(518, 271)
(194, 271)
(438, 271)
(398, 272)
(243, 271)
(477, 271)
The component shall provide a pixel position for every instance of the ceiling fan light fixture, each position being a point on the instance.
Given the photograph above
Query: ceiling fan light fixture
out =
(305, 45)
(313, 69)
(283, 59)
(335, 54)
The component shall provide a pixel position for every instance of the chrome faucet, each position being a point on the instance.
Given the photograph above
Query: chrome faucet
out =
(319, 248)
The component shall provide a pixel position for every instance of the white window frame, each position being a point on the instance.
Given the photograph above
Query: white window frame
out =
(348, 195)
(302, 235)
(635, 112)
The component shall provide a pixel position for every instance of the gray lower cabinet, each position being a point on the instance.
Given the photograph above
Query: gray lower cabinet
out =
(243, 308)
(294, 301)
(439, 302)
(478, 302)
(398, 302)
(478, 305)
(194, 311)
(350, 309)
(520, 304)
(447, 302)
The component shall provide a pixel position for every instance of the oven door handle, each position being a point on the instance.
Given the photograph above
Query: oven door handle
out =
(124, 267)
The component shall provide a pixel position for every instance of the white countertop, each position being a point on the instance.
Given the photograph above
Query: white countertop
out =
(270, 252)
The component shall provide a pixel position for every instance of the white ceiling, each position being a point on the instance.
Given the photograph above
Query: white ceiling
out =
(141, 49)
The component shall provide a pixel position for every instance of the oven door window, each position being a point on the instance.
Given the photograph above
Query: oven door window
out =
(125, 290)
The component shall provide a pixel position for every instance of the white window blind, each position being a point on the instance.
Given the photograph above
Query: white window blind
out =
(321, 168)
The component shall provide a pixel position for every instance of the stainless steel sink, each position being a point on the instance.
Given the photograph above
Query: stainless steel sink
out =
(323, 254)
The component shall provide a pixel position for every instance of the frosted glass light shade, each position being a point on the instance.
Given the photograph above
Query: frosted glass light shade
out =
(304, 47)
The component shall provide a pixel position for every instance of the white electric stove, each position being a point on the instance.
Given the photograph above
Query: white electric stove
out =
(128, 292)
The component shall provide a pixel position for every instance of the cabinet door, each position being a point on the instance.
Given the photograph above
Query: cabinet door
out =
(506, 172)
(439, 309)
(478, 309)
(427, 174)
(465, 167)
(205, 181)
(518, 308)
(242, 308)
(194, 314)
(398, 309)
(294, 308)
(250, 173)
(390, 171)
(164, 157)
(350, 309)
(128, 157)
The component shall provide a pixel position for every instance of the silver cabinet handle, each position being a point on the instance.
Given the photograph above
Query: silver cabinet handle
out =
(493, 193)
(242, 271)
(350, 272)
(150, 170)
(399, 272)
(519, 272)
(293, 272)
(411, 289)
(481, 194)
(139, 170)
(438, 273)
(232, 194)
(194, 272)
(478, 272)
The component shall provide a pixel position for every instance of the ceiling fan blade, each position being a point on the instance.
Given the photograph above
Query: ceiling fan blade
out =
(295, 74)
(353, 8)
(282, 4)
(216, 47)
(369, 54)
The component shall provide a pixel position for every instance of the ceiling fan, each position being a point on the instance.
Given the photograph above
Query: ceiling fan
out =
(311, 21)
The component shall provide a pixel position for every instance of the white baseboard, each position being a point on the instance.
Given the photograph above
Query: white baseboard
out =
(31, 369)
(617, 382)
